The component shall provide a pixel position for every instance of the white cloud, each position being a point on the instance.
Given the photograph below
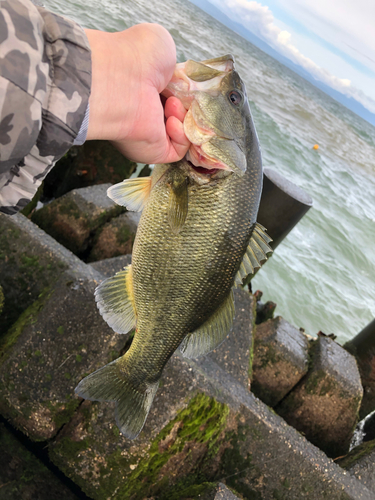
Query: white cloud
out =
(259, 19)
(345, 24)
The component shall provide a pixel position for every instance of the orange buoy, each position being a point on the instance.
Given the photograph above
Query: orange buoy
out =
(316, 146)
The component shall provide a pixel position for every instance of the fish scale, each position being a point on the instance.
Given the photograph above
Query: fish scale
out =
(229, 209)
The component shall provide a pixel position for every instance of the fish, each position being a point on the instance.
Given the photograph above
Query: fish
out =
(196, 240)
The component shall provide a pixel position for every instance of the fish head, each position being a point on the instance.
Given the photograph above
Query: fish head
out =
(218, 121)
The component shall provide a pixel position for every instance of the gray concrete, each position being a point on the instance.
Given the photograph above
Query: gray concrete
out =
(324, 406)
(233, 355)
(280, 359)
(360, 463)
(109, 267)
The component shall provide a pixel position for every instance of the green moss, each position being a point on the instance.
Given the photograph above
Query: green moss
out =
(32, 261)
(28, 317)
(78, 358)
(62, 413)
(314, 381)
(33, 203)
(68, 207)
(200, 427)
(60, 330)
(37, 353)
(356, 454)
(123, 235)
(202, 422)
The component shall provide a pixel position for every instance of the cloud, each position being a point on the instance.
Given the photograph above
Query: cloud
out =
(259, 20)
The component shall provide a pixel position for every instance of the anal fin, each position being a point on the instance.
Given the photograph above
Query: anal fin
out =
(212, 333)
(131, 193)
(115, 301)
(256, 254)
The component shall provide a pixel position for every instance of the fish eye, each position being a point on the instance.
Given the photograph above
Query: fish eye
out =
(235, 97)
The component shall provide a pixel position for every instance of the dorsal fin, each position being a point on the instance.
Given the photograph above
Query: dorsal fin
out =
(115, 301)
(256, 254)
(212, 333)
(131, 193)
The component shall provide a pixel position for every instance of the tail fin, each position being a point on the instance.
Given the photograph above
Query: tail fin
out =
(132, 403)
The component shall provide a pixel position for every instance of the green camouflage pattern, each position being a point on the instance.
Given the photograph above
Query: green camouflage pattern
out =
(45, 81)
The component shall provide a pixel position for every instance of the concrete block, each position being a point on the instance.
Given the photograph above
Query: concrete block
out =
(115, 238)
(234, 355)
(280, 360)
(324, 406)
(360, 463)
(73, 219)
(204, 426)
(23, 476)
(30, 262)
(57, 341)
(109, 267)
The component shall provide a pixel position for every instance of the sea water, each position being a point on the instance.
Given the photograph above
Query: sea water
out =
(322, 276)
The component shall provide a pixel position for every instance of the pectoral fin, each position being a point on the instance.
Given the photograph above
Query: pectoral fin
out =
(131, 193)
(115, 301)
(178, 203)
(212, 333)
(256, 254)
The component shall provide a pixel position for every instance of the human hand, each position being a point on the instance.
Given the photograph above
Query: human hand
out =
(129, 71)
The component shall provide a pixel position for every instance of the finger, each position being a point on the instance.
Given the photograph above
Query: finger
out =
(174, 107)
(178, 140)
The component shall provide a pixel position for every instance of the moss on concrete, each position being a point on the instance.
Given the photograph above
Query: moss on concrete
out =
(175, 466)
(356, 454)
(27, 318)
(26, 269)
(33, 203)
(61, 413)
(185, 444)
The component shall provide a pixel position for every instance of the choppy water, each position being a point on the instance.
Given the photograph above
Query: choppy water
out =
(323, 275)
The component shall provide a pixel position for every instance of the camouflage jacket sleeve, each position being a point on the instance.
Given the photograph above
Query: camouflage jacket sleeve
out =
(45, 80)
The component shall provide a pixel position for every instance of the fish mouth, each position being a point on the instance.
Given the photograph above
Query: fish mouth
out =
(203, 170)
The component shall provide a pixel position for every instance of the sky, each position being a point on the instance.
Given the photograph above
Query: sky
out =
(332, 39)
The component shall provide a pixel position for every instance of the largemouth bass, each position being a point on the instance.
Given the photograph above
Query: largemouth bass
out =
(196, 240)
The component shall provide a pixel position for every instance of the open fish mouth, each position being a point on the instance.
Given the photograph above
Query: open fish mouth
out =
(203, 170)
